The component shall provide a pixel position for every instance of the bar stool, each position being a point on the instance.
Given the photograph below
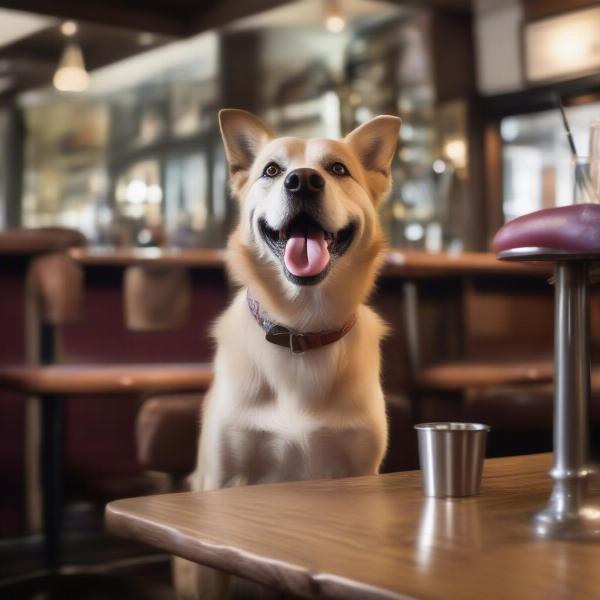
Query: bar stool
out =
(569, 237)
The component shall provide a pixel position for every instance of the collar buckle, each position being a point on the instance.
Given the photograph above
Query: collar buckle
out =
(297, 343)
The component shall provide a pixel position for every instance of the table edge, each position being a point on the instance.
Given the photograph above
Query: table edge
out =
(318, 584)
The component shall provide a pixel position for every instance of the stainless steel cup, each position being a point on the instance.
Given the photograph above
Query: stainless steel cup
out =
(451, 456)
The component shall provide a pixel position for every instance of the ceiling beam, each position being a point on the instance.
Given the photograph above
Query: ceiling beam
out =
(224, 12)
(462, 6)
(172, 18)
(140, 17)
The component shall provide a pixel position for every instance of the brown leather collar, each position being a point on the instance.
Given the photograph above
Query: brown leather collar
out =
(296, 341)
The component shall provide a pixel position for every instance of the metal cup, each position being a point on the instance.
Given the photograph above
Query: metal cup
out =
(451, 457)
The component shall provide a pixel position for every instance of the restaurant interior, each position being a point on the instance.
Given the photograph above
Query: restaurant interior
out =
(115, 211)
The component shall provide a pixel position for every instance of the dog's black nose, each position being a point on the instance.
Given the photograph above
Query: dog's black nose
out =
(304, 181)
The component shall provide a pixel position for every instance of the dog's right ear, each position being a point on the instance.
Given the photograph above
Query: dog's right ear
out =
(244, 135)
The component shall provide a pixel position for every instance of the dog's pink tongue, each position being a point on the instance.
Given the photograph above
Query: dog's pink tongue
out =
(306, 254)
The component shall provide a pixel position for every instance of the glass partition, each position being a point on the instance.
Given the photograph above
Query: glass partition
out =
(537, 161)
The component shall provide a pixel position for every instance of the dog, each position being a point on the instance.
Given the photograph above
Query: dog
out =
(296, 392)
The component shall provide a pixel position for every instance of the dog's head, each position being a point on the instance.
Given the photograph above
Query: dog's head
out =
(308, 207)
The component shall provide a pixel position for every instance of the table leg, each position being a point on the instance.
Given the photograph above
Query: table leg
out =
(51, 459)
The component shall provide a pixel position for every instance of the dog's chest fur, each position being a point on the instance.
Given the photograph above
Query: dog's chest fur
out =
(286, 417)
(255, 455)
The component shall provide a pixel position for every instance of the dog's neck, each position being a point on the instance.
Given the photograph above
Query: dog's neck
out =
(309, 310)
(297, 341)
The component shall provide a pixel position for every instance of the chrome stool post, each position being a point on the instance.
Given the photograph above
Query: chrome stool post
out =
(567, 513)
(568, 236)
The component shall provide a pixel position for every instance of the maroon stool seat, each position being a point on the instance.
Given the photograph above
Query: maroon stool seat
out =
(566, 229)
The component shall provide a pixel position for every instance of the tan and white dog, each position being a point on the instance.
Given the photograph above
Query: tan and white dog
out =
(297, 392)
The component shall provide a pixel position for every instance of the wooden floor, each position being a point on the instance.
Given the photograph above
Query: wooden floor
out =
(97, 566)
(150, 581)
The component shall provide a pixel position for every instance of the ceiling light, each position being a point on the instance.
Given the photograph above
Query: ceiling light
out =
(69, 28)
(413, 232)
(335, 21)
(456, 151)
(146, 38)
(510, 129)
(71, 76)
(439, 166)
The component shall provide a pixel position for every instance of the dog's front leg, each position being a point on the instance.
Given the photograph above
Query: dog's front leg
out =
(196, 582)
(215, 469)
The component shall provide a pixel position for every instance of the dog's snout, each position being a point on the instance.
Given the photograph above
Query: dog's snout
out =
(307, 181)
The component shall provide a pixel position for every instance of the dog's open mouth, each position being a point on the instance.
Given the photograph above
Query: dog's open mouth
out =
(305, 248)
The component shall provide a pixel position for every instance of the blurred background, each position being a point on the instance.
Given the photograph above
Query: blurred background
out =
(108, 131)
(107, 121)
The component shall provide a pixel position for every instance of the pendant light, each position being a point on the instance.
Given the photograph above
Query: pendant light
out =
(334, 18)
(70, 75)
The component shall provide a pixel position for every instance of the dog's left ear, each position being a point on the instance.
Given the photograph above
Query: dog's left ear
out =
(375, 142)
(244, 135)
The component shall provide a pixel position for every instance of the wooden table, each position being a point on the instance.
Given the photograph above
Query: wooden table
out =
(375, 537)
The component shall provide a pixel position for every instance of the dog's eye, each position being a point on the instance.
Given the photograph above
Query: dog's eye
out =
(272, 170)
(338, 169)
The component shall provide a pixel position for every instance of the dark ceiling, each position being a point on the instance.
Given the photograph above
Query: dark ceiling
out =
(172, 17)
(175, 17)
(109, 30)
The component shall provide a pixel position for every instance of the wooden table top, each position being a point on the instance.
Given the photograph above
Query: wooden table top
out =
(483, 373)
(414, 263)
(29, 242)
(373, 538)
(163, 257)
(401, 263)
(106, 379)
